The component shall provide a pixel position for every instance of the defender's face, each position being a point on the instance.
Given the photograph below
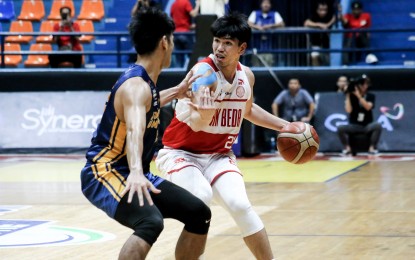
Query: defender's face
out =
(227, 50)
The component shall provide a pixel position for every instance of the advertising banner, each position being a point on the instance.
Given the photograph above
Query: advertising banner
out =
(49, 119)
(394, 110)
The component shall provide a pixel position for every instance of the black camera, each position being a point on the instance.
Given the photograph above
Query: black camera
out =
(353, 82)
(64, 16)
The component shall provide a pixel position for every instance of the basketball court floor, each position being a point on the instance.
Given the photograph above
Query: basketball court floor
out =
(331, 208)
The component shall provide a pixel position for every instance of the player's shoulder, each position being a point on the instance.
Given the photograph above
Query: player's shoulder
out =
(133, 87)
(249, 74)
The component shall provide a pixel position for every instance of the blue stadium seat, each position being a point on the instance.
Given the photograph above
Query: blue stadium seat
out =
(7, 10)
(392, 14)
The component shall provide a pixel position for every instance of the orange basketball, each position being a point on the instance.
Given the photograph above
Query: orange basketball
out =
(298, 142)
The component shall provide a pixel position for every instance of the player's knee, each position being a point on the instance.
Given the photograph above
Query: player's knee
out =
(237, 206)
(204, 195)
(198, 220)
(202, 192)
(149, 228)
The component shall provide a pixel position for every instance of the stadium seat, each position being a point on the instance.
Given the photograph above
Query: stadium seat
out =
(57, 5)
(7, 10)
(86, 26)
(38, 60)
(20, 27)
(45, 27)
(92, 10)
(32, 10)
(12, 60)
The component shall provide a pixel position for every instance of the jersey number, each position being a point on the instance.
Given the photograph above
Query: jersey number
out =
(229, 143)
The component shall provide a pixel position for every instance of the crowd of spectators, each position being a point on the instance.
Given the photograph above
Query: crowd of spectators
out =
(266, 20)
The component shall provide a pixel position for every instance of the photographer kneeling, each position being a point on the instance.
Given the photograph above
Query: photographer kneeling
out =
(66, 42)
(359, 105)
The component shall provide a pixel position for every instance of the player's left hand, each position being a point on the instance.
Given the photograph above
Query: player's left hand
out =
(185, 87)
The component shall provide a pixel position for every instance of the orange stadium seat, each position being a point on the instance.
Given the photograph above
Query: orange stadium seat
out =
(38, 60)
(92, 10)
(9, 59)
(20, 27)
(46, 27)
(57, 5)
(32, 10)
(86, 26)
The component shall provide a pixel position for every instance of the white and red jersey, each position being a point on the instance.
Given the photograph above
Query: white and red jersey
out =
(222, 131)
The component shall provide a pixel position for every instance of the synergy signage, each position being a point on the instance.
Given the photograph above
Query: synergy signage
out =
(50, 119)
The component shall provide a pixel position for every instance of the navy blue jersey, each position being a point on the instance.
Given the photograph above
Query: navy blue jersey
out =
(104, 175)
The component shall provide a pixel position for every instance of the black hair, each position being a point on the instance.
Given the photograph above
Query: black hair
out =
(357, 4)
(65, 7)
(234, 25)
(147, 27)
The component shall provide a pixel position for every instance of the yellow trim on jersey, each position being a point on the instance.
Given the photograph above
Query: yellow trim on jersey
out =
(116, 144)
(102, 169)
(103, 178)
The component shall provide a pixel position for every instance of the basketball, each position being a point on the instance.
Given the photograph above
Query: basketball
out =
(298, 142)
(208, 78)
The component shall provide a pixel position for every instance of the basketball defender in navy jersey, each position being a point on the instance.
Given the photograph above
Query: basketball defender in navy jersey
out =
(117, 177)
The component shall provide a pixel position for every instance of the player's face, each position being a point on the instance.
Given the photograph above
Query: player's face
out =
(227, 50)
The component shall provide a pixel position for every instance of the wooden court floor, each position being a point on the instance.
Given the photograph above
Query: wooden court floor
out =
(365, 213)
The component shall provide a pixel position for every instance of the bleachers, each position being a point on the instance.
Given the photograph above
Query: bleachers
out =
(114, 15)
(40, 16)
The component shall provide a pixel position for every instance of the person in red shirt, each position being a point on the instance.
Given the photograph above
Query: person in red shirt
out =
(355, 20)
(66, 42)
(182, 13)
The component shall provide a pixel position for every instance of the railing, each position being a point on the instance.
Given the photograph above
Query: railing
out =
(290, 46)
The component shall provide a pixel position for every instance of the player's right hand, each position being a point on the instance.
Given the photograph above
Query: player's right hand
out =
(138, 183)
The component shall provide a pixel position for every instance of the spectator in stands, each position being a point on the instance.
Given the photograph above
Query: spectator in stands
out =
(66, 42)
(342, 83)
(264, 20)
(143, 4)
(295, 103)
(359, 104)
(355, 20)
(320, 19)
(217, 7)
(182, 13)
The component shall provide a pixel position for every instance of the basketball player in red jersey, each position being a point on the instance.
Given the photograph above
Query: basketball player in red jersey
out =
(197, 153)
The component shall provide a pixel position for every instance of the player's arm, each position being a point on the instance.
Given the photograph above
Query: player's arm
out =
(180, 91)
(256, 114)
(132, 101)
